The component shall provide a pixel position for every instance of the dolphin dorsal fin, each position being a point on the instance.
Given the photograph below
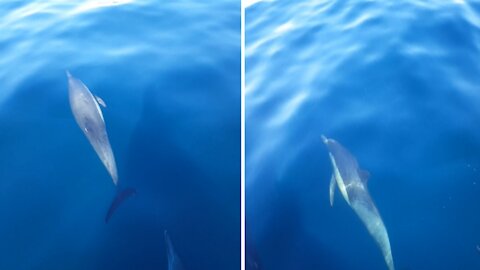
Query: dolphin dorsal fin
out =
(100, 101)
(364, 175)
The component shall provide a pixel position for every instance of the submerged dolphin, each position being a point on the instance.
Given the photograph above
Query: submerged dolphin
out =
(252, 261)
(352, 182)
(86, 110)
(89, 118)
(174, 262)
(120, 197)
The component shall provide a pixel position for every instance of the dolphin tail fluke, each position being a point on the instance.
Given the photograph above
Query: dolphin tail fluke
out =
(120, 197)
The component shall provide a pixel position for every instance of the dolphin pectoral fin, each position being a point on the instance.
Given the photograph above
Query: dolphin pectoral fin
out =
(120, 197)
(100, 101)
(332, 189)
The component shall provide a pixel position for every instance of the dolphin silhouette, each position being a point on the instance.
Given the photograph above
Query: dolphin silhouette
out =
(174, 262)
(120, 197)
(352, 182)
(86, 110)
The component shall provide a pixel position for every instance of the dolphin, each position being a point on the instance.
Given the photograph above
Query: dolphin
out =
(89, 117)
(252, 261)
(86, 110)
(174, 262)
(352, 182)
(120, 197)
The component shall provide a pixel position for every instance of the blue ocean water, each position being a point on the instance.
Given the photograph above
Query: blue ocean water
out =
(169, 72)
(398, 84)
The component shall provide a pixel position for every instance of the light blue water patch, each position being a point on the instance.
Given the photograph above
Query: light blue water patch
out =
(169, 73)
(394, 82)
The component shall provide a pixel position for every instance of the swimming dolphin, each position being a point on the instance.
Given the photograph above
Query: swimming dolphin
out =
(89, 118)
(86, 110)
(352, 182)
(174, 262)
(120, 197)
(252, 261)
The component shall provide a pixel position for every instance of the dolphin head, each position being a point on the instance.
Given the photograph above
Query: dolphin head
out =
(324, 139)
(329, 143)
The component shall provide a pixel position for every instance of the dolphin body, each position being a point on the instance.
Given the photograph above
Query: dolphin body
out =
(86, 110)
(352, 182)
(174, 262)
(89, 118)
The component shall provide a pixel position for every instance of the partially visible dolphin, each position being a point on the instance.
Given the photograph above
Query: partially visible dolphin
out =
(174, 262)
(252, 261)
(352, 182)
(86, 110)
(120, 197)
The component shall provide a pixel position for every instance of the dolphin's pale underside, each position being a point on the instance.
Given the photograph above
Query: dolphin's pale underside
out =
(86, 110)
(352, 183)
(174, 262)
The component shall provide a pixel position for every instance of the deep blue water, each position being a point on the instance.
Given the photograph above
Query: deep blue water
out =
(169, 72)
(398, 84)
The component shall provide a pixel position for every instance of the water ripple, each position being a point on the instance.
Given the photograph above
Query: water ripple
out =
(374, 75)
(169, 72)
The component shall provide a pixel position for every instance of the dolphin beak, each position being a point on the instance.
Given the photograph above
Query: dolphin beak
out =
(324, 139)
(68, 74)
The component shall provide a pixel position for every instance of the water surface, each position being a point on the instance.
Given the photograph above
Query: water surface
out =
(169, 73)
(398, 85)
